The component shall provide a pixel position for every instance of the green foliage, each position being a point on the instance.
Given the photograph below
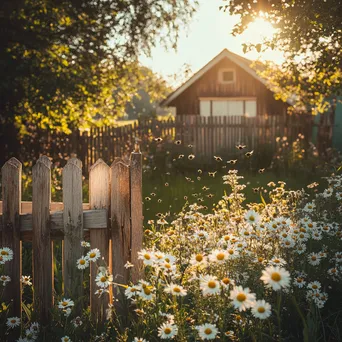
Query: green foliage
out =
(309, 33)
(65, 62)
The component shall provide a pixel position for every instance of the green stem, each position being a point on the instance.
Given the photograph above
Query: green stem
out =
(305, 329)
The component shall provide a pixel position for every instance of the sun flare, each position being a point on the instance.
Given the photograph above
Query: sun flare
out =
(259, 30)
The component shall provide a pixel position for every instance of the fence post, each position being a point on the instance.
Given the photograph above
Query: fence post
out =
(99, 198)
(136, 212)
(73, 231)
(11, 197)
(120, 214)
(41, 242)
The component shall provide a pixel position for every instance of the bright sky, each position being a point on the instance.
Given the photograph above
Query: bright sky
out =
(207, 35)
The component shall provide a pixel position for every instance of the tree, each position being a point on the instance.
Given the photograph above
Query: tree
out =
(64, 61)
(309, 32)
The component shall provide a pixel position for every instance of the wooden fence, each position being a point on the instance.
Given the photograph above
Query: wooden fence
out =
(208, 135)
(112, 221)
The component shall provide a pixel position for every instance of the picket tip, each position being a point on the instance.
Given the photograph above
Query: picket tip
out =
(13, 163)
(98, 163)
(119, 161)
(74, 161)
(43, 160)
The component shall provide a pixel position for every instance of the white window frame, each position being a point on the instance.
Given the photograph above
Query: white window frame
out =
(225, 99)
(220, 76)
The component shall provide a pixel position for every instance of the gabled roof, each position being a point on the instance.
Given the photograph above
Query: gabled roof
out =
(242, 62)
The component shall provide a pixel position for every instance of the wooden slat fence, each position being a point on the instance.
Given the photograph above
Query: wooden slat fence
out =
(112, 220)
(208, 135)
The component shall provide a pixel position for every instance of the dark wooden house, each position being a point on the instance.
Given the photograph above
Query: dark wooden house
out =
(226, 86)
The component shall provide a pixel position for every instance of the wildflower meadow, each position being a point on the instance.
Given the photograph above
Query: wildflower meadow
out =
(265, 271)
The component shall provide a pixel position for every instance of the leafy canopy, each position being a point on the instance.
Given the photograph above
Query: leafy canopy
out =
(65, 61)
(309, 32)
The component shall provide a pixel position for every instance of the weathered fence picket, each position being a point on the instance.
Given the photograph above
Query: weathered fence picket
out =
(73, 229)
(112, 221)
(11, 195)
(41, 240)
(99, 198)
(120, 215)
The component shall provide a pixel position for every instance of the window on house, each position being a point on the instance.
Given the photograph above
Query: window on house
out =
(227, 107)
(226, 76)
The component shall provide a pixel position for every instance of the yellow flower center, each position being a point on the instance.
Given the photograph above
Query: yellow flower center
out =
(4, 252)
(92, 255)
(276, 276)
(252, 218)
(261, 309)
(65, 303)
(212, 284)
(176, 289)
(199, 257)
(310, 225)
(314, 287)
(103, 279)
(220, 256)
(260, 259)
(227, 238)
(226, 281)
(13, 321)
(208, 331)
(82, 262)
(147, 291)
(147, 256)
(241, 297)
(167, 331)
(313, 258)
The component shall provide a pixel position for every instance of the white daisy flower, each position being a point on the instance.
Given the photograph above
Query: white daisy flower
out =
(314, 259)
(146, 256)
(201, 234)
(93, 254)
(261, 309)
(13, 322)
(146, 291)
(26, 280)
(299, 282)
(65, 303)
(275, 261)
(128, 265)
(209, 285)
(167, 331)
(5, 279)
(207, 331)
(300, 248)
(82, 263)
(169, 258)
(233, 251)
(175, 290)
(65, 339)
(252, 217)
(139, 339)
(198, 259)
(226, 282)
(85, 244)
(103, 279)
(314, 285)
(132, 291)
(275, 277)
(327, 193)
(242, 298)
(34, 327)
(6, 254)
(309, 207)
(219, 256)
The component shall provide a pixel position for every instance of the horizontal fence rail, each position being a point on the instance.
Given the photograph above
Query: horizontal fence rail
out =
(112, 221)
